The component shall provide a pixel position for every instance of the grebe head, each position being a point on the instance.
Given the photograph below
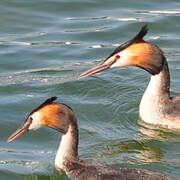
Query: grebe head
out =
(135, 52)
(53, 115)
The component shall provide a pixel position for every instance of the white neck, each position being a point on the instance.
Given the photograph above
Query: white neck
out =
(67, 148)
(155, 96)
(154, 87)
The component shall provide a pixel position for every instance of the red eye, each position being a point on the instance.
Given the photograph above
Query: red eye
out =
(117, 57)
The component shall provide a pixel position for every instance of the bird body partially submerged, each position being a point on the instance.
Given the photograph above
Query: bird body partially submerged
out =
(156, 107)
(62, 118)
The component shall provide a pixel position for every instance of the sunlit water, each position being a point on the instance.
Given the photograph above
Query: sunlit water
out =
(45, 45)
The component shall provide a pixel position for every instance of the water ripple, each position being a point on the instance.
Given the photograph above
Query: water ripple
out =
(163, 12)
(87, 18)
(97, 29)
(5, 43)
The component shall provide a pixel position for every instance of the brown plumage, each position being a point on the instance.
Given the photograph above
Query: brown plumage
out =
(62, 118)
(157, 107)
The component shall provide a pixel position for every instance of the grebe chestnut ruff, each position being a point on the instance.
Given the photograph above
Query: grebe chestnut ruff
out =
(63, 119)
(156, 106)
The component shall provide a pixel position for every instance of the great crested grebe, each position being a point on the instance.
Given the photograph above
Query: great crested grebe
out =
(156, 106)
(63, 119)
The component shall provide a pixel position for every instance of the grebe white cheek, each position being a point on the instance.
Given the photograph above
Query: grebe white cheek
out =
(157, 107)
(62, 118)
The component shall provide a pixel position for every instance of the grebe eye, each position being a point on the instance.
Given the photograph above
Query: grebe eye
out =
(117, 57)
(30, 118)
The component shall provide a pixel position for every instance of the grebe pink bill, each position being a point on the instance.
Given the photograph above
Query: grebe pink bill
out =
(156, 106)
(63, 119)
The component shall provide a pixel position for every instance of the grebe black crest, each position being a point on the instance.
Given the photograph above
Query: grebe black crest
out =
(63, 119)
(157, 107)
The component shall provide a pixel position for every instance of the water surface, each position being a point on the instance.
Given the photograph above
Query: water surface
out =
(45, 45)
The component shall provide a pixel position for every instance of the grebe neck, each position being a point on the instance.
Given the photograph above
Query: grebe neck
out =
(159, 84)
(68, 148)
(156, 96)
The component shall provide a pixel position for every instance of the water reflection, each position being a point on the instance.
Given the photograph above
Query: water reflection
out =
(143, 150)
(55, 176)
(158, 133)
(147, 146)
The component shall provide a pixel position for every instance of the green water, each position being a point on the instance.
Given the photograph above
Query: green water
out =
(45, 45)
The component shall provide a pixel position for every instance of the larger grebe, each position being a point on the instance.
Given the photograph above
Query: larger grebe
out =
(156, 107)
(62, 118)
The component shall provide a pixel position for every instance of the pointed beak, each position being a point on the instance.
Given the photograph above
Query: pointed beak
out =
(100, 67)
(20, 131)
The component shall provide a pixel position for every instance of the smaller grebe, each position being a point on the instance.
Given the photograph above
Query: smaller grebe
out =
(62, 118)
(156, 107)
